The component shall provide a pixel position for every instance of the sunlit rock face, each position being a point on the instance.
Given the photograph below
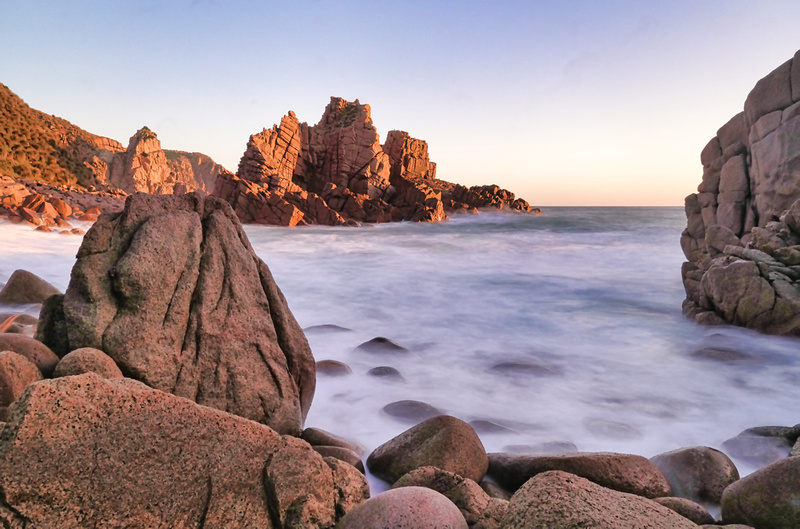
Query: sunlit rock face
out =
(337, 172)
(742, 239)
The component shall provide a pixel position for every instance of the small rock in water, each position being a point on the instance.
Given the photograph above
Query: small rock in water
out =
(381, 345)
(327, 328)
(412, 411)
(722, 354)
(698, 473)
(611, 429)
(319, 437)
(525, 369)
(761, 446)
(333, 368)
(386, 372)
(25, 287)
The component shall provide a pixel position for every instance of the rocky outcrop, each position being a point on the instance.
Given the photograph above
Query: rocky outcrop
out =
(44, 148)
(337, 172)
(172, 291)
(742, 240)
(145, 167)
(83, 451)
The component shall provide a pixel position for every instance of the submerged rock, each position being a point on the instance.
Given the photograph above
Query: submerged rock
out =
(173, 292)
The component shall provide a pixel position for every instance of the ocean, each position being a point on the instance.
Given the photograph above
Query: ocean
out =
(563, 328)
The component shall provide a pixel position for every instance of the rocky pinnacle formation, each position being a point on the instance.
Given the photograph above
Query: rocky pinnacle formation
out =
(173, 292)
(742, 239)
(337, 172)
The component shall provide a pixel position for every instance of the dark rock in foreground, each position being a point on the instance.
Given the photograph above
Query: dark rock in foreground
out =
(173, 292)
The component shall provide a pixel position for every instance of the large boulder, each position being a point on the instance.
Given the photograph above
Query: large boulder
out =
(34, 350)
(765, 498)
(750, 186)
(26, 287)
(173, 292)
(444, 442)
(697, 473)
(560, 500)
(84, 451)
(623, 472)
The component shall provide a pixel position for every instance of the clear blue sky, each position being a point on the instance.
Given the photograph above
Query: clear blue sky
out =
(565, 103)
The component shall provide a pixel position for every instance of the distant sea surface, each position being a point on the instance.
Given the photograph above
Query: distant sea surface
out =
(566, 327)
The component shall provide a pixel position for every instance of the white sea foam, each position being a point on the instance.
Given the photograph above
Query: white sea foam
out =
(592, 296)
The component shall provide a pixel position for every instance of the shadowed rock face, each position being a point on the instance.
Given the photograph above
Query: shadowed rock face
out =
(172, 290)
(742, 239)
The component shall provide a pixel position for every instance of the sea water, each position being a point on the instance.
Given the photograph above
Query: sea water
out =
(561, 328)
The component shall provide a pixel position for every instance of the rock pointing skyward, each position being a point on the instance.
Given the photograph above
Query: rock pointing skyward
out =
(337, 172)
(742, 240)
(173, 292)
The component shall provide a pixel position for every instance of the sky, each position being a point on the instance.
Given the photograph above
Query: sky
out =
(574, 102)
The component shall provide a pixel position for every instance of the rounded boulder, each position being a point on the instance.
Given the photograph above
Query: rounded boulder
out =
(444, 442)
(87, 360)
(26, 287)
(560, 500)
(765, 498)
(698, 473)
(16, 374)
(405, 508)
(34, 350)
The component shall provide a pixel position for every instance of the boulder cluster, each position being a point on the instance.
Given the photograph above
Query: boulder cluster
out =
(337, 172)
(742, 240)
(51, 208)
(168, 387)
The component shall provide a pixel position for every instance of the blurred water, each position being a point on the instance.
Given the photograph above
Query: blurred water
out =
(586, 302)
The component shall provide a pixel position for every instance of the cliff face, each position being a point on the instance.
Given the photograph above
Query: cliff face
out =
(742, 239)
(51, 150)
(337, 172)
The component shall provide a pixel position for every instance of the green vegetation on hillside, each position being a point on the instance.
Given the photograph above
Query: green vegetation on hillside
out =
(40, 147)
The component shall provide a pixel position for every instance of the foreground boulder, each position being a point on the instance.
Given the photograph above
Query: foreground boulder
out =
(623, 472)
(478, 508)
(698, 473)
(559, 500)
(405, 508)
(444, 442)
(742, 234)
(84, 451)
(765, 498)
(173, 292)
